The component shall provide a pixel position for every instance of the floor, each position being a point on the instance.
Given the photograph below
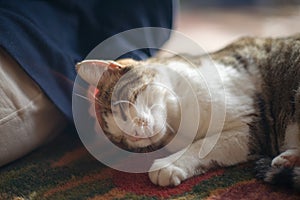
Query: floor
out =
(212, 28)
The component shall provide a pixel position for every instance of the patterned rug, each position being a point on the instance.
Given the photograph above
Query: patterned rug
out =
(63, 169)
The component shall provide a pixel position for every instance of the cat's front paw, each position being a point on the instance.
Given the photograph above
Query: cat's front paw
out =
(166, 175)
(289, 158)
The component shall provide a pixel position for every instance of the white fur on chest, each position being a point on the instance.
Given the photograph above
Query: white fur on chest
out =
(218, 86)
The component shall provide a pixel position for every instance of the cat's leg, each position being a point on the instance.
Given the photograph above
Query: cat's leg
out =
(230, 149)
(288, 158)
(282, 169)
(291, 156)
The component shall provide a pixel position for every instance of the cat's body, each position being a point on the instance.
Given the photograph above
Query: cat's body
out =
(256, 88)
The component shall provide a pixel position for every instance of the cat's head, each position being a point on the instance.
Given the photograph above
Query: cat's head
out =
(133, 107)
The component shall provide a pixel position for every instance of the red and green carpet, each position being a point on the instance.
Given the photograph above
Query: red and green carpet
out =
(63, 169)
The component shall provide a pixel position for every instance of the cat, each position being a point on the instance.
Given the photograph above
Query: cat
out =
(260, 81)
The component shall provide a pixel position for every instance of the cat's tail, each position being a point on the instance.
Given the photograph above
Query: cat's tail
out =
(284, 176)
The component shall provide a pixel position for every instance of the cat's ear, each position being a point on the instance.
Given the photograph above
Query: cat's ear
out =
(127, 62)
(92, 70)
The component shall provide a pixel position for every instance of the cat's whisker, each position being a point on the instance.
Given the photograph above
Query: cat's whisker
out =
(89, 99)
(94, 97)
(156, 105)
(92, 94)
(86, 98)
(125, 101)
(97, 100)
(147, 99)
(149, 133)
(170, 127)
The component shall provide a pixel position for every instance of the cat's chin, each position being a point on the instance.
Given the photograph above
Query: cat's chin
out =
(151, 144)
(140, 143)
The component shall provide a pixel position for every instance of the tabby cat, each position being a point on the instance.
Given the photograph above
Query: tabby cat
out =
(260, 81)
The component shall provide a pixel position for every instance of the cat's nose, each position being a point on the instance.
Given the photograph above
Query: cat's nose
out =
(141, 121)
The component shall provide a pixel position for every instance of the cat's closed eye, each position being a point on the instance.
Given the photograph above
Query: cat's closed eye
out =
(123, 115)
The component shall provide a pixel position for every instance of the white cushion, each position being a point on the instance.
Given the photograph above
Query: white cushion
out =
(27, 117)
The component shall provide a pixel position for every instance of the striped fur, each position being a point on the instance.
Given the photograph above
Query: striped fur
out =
(261, 78)
(274, 64)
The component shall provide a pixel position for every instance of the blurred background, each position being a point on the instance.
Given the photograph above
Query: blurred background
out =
(215, 23)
